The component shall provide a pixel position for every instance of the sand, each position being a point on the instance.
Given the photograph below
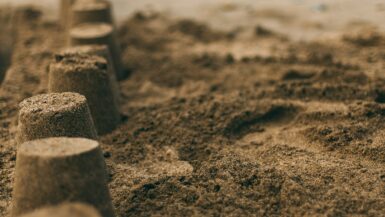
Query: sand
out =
(55, 115)
(69, 209)
(59, 170)
(239, 122)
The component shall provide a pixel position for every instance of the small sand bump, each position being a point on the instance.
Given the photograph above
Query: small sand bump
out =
(91, 30)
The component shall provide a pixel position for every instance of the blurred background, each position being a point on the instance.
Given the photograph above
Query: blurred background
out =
(312, 17)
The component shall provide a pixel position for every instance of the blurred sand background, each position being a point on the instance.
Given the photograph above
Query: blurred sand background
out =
(301, 19)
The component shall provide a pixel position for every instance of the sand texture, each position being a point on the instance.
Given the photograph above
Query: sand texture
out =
(241, 122)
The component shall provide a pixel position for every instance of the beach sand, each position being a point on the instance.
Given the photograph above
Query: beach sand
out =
(233, 109)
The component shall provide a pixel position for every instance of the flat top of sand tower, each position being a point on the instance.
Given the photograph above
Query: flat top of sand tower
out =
(65, 210)
(91, 30)
(84, 49)
(73, 62)
(90, 5)
(58, 147)
(51, 103)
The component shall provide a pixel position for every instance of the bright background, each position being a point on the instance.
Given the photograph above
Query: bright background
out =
(305, 16)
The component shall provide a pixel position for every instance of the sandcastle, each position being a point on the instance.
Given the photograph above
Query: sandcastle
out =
(56, 170)
(87, 75)
(91, 22)
(54, 115)
(102, 51)
(99, 34)
(91, 12)
(59, 164)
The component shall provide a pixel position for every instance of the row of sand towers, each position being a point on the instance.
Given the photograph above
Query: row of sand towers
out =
(60, 168)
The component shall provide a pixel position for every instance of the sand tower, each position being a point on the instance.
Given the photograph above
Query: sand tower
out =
(55, 170)
(102, 51)
(66, 8)
(91, 12)
(55, 115)
(87, 75)
(98, 34)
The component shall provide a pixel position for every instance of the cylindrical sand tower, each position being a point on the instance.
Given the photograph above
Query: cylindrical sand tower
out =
(87, 75)
(66, 8)
(102, 51)
(56, 170)
(91, 12)
(100, 34)
(55, 115)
